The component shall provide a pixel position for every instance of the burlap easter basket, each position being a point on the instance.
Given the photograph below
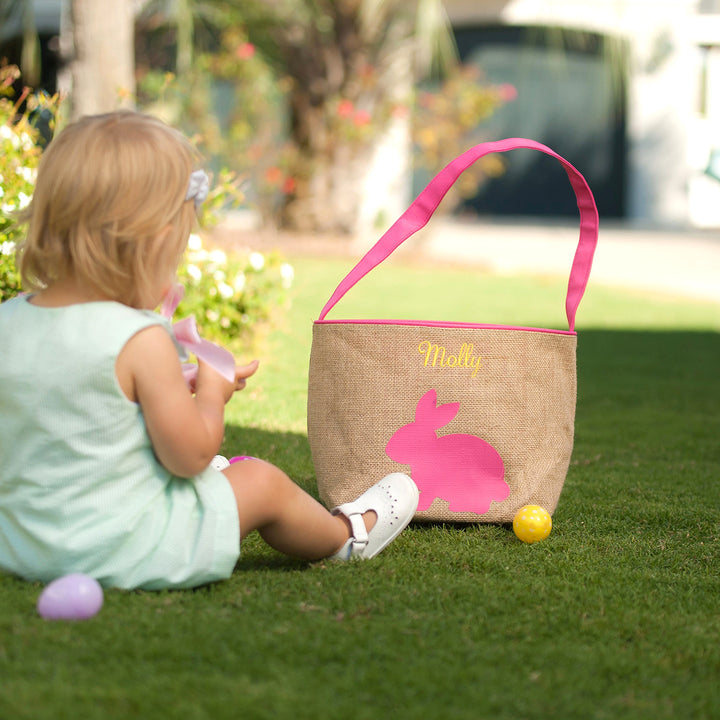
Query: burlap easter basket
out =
(481, 416)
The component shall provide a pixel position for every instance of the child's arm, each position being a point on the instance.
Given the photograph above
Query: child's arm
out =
(186, 430)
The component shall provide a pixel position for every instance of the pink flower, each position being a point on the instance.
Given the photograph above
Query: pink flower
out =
(507, 92)
(345, 108)
(273, 175)
(245, 51)
(361, 118)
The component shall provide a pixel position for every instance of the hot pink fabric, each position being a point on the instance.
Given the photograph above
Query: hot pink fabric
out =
(186, 333)
(462, 469)
(422, 209)
(240, 458)
(445, 324)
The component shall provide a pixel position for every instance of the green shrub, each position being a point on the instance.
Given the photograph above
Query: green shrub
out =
(229, 294)
(19, 157)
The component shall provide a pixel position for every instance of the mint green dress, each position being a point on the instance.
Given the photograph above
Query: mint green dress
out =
(80, 487)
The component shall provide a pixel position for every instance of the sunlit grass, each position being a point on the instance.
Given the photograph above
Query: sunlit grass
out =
(613, 616)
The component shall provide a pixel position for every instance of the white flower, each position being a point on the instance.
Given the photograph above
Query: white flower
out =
(239, 282)
(287, 273)
(23, 200)
(219, 276)
(2, 192)
(212, 316)
(198, 255)
(257, 261)
(225, 323)
(7, 208)
(218, 257)
(26, 173)
(225, 290)
(195, 249)
(194, 272)
(7, 248)
(6, 133)
(27, 141)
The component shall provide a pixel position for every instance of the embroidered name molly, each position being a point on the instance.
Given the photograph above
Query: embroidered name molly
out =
(438, 356)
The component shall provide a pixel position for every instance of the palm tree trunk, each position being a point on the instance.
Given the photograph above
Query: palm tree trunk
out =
(30, 59)
(103, 59)
(185, 33)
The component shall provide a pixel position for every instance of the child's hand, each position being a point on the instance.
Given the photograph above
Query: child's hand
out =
(243, 372)
(207, 377)
(185, 430)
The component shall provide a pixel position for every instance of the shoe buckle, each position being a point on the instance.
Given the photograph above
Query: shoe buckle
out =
(359, 531)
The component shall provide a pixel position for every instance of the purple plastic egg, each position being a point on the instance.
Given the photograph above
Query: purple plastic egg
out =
(71, 597)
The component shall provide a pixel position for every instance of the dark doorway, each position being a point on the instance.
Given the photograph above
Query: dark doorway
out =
(571, 96)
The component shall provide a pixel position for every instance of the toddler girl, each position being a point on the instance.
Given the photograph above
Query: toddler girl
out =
(105, 450)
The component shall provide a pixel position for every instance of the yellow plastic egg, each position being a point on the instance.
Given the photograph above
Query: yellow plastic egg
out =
(532, 523)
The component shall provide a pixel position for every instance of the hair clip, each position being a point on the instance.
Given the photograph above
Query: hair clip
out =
(198, 187)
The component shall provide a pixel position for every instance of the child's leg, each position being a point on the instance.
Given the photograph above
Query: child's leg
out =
(288, 519)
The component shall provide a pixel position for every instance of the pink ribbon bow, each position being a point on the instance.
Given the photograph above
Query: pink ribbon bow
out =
(186, 334)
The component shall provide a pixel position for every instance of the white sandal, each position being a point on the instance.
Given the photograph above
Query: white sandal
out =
(219, 462)
(394, 500)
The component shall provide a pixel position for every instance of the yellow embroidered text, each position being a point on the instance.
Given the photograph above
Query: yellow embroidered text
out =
(437, 355)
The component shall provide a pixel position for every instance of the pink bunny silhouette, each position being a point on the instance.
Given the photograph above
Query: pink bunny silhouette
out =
(462, 469)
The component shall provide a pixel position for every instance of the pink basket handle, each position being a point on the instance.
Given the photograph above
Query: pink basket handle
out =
(423, 207)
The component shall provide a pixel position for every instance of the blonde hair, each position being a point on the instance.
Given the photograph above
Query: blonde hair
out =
(109, 207)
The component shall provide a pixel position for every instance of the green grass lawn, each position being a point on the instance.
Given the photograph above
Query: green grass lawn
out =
(615, 615)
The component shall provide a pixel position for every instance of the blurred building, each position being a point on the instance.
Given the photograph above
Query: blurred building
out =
(627, 90)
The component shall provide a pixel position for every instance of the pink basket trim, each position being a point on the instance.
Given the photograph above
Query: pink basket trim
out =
(422, 208)
(444, 324)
